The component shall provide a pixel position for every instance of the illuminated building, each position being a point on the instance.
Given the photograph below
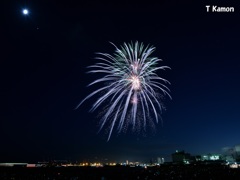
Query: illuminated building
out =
(160, 160)
(211, 157)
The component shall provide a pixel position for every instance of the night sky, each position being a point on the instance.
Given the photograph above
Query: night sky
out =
(43, 77)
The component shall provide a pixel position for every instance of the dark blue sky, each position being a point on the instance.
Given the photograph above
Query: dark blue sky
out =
(43, 77)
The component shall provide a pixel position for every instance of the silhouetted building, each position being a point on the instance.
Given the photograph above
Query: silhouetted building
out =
(181, 157)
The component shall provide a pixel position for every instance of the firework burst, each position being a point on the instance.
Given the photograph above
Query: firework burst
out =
(130, 86)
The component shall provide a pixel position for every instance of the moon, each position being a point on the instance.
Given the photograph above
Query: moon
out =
(25, 11)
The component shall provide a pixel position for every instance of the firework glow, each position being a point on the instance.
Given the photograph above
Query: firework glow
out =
(131, 87)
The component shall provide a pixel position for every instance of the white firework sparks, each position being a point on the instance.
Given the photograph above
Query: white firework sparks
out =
(130, 86)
